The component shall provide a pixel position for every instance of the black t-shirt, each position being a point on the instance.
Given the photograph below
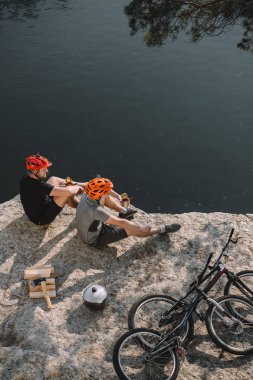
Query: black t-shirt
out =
(34, 195)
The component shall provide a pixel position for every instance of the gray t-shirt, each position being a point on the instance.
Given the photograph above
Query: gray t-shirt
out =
(89, 218)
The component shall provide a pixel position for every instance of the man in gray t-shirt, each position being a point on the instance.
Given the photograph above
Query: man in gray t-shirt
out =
(97, 226)
(90, 216)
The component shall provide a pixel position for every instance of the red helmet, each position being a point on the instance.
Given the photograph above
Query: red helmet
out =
(98, 187)
(37, 162)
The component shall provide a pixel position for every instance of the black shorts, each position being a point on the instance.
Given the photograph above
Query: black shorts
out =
(109, 234)
(50, 213)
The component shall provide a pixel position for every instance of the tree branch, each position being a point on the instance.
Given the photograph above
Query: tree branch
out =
(198, 5)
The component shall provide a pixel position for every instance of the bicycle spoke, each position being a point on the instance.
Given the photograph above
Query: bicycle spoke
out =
(149, 313)
(231, 329)
(135, 364)
(241, 285)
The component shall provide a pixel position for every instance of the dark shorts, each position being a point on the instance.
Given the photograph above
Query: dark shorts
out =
(50, 213)
(109, 234)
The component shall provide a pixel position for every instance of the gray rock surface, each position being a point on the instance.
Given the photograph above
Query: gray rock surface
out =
(73, 342)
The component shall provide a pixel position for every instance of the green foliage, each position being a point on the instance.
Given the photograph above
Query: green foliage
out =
(162, 19)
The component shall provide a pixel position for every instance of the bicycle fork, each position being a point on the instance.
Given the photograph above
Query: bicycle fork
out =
(224, 315)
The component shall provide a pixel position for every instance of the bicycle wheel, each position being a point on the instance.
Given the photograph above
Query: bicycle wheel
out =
(246, 277)
(243, 288)
(147, 312)
(229, 331)
(131, 362)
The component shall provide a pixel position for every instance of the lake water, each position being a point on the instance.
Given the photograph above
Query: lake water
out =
(172, 125)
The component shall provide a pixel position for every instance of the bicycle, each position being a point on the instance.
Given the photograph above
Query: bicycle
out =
(147, 311)
(146, 354)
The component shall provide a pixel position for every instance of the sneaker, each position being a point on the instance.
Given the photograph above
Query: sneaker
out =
(129, 215)
(171, 228)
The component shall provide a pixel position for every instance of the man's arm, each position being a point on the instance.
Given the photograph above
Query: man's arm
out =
(66, 191)
(83, 184)
(133, 229)
(60, 182)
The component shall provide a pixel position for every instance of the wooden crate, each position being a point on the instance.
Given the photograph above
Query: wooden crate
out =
(41, 271)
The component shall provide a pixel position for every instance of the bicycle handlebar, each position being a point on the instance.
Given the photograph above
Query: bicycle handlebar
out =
(225, 246)
(231, 234)
(200, 276)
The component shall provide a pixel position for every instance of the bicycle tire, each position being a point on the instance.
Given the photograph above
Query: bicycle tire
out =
(147, 313)
(232, 335)
(246, 276)
(129, 357)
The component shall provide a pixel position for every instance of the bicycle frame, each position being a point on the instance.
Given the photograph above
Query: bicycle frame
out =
(172, 341)
(216, 271)
(169, 341)
(219, 269)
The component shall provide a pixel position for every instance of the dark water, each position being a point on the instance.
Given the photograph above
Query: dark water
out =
(172, 125)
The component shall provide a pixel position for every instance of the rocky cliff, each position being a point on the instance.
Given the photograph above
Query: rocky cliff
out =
(73, 342)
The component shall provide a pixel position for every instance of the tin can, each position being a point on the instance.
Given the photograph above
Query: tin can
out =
(125, 200)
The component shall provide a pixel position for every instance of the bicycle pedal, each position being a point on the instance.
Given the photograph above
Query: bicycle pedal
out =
(181, 352)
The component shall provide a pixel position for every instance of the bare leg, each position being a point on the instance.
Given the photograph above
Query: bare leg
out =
(113, 203)
(71, 201)
(61, 201)
(133, 229)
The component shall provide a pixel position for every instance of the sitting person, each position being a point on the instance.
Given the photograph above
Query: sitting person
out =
(98, 227)
(44, 200)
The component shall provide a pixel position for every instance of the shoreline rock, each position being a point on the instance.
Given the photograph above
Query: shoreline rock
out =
(73, 342)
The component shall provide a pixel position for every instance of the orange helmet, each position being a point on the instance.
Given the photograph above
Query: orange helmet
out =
(98, 187)
(37, 162)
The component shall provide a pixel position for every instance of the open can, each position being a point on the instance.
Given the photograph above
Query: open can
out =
(125, 200)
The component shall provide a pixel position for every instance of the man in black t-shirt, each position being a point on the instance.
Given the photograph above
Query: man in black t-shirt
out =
(43, 201)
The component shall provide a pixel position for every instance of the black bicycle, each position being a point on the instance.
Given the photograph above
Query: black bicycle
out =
(148, 354)
(148, 310)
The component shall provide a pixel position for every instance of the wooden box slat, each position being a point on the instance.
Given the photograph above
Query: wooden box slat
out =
(32, 272)
(50, 293)
(39, 288)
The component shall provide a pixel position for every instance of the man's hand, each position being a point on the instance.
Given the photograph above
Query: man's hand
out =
(69, 182)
